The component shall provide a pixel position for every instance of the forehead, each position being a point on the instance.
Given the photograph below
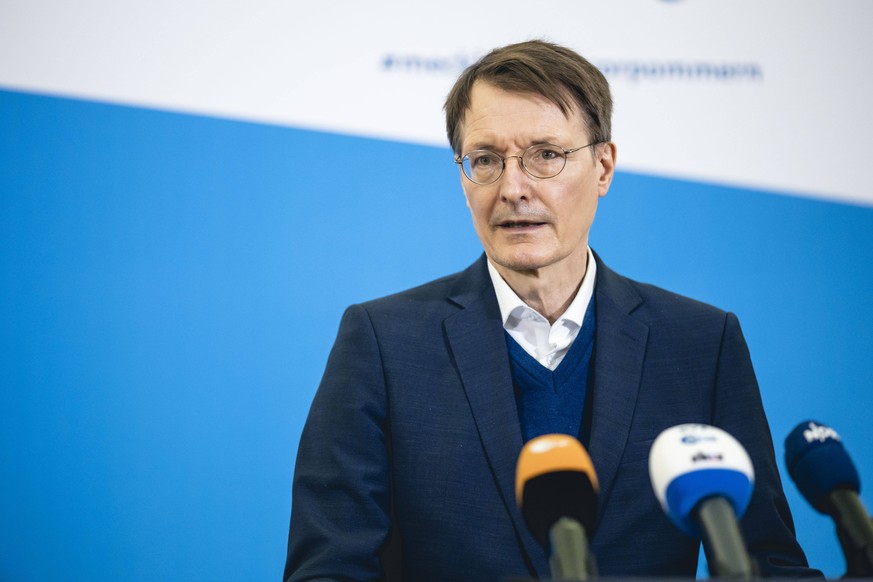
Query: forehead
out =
(504, 119)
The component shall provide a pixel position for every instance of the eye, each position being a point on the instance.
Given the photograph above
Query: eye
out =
(547, 153)
(483, 159)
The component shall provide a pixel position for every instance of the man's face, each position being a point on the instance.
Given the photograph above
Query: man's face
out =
(526, 223)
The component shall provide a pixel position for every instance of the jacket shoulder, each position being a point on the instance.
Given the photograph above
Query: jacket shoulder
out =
(445, 295)
(644, 298)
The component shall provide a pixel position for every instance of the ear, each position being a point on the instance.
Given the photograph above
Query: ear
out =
(606, 156)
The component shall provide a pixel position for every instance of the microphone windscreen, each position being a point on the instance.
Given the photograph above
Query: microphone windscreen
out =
(555, 478)
(691, 462)
(818, 464)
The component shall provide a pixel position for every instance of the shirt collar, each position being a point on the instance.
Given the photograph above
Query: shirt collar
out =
(513, 309)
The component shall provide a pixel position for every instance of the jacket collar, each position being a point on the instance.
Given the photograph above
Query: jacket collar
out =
(619, 351)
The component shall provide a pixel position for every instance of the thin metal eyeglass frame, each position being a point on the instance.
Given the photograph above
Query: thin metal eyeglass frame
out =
(503, 159)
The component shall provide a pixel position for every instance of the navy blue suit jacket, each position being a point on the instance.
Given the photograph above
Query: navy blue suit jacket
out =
(407, 459)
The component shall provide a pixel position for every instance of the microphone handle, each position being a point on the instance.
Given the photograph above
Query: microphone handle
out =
(570, 558)
(725, 550)
(855, 531)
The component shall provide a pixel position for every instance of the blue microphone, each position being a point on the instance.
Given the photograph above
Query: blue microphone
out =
(704, 480)
(825, 475)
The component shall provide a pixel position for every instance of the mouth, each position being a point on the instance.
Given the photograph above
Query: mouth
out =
(519, 224)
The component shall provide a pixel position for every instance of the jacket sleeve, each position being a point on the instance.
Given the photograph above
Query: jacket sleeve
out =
(767, 525)
(340, 506)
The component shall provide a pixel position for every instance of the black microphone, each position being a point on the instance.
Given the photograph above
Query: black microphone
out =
(704, 478)
(556, 490)
(827, 478)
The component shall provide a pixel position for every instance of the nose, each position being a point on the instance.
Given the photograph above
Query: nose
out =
(514, 183)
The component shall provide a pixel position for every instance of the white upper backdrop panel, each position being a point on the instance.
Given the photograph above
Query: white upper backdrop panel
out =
(769, 95)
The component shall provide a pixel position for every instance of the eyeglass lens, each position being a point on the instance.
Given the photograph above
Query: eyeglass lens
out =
(540, 161)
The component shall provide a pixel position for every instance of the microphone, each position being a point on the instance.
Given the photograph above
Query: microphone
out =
(827, 478)
(556, 490)
(704, 480)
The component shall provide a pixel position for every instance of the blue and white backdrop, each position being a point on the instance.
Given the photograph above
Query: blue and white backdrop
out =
(192, 192)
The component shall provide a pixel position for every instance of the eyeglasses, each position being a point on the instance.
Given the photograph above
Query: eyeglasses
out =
(542, 160)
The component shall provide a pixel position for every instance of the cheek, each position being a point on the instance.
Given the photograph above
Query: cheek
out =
(469, 196)
(576, 210)
(464, 190)
(480, 217)
(478, 207)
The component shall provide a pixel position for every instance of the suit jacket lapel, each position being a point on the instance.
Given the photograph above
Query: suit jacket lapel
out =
(620, 344)
(477, 342)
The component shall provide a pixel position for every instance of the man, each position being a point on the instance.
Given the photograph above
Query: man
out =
(406, 464)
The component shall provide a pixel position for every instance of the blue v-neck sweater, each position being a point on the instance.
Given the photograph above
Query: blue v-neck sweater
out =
(552, 401)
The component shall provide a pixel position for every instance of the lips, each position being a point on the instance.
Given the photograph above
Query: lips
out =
(520, 219)
(519, 224)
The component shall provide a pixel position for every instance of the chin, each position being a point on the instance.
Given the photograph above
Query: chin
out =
(522, 261)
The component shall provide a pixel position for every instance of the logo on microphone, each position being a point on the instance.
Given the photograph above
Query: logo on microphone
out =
(701, 456)
(820, 433)
(693, 439)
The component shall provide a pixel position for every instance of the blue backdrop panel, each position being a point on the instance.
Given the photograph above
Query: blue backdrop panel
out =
(170, 286)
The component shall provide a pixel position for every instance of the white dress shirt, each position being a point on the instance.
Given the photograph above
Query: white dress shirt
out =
(548, 344)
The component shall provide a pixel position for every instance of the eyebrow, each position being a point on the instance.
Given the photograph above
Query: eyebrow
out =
(485, 145)
(481, 145)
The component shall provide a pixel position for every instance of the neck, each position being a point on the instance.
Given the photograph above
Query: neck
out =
(549, 290)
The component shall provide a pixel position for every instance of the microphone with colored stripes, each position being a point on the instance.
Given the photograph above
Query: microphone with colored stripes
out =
(704, 479)
(556, 490)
